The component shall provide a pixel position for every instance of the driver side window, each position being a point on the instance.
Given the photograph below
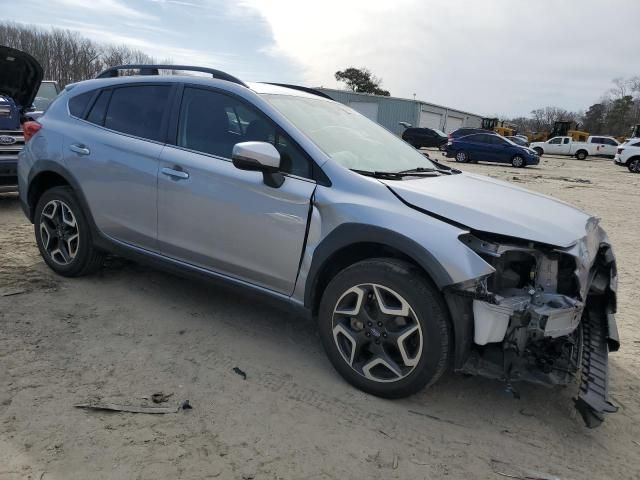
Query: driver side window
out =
(212, 122)
(555, 141)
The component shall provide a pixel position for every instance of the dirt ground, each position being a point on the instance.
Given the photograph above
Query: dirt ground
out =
(131, 331)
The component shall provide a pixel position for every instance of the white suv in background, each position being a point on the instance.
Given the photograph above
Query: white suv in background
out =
(629, 155)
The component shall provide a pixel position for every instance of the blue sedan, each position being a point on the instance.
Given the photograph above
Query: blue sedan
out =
(486, 147)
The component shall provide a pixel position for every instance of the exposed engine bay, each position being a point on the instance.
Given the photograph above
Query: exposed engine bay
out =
(545, 315)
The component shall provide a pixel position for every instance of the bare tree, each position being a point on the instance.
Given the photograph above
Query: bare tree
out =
(66, 56)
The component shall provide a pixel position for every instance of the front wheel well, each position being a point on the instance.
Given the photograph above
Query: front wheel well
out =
(40, 184)
(348, 256)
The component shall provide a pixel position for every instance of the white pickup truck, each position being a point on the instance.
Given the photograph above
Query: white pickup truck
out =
(594, 146)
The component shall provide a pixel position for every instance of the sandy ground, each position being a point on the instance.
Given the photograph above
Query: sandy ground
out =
(131, 331)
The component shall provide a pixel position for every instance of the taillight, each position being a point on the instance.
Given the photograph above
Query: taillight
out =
(29, 129)
(620, 150)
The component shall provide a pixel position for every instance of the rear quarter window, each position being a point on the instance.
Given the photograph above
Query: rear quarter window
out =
(79, 104)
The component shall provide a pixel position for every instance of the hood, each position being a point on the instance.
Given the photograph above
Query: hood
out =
(487, 205)
(20, 76)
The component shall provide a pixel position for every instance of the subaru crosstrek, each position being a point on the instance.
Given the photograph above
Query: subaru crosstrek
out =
(409, 266)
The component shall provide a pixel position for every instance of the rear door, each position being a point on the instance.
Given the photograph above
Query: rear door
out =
(113, 149)
(478, 145)
(214, 216)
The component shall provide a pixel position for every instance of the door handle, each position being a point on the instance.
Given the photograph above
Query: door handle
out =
(177, 174)
(79, 149)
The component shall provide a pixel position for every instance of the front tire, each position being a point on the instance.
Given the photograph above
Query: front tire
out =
(518, 161)
(385, 327)
(634, 165)
(539, 151)
(63, 235)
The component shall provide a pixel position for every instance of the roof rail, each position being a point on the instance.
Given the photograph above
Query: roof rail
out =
(154, 70)
(312, 91)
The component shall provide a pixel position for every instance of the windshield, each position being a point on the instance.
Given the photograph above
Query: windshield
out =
(347, 137)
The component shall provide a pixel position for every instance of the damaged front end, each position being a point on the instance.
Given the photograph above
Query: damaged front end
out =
(546, 315)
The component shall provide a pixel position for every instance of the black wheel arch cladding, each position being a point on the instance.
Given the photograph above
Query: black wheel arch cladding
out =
(352, 233)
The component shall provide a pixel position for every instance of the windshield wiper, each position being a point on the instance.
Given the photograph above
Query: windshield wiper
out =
(423, 169)
(396, 175)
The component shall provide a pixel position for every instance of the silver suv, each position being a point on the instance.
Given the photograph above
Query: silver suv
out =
(409, 266)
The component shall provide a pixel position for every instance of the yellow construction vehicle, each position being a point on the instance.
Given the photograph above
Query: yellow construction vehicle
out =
(499, 126)
(561, 128)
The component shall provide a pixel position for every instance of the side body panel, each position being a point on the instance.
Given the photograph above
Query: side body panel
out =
(229, 221)
(118, 178)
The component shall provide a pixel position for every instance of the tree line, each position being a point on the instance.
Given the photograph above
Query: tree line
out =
(614, 114)
(67, 56)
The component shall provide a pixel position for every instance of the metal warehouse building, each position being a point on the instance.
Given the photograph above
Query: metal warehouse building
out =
(390, 111)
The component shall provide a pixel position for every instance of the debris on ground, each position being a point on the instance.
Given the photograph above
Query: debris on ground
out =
(9, 293)
(186, 405)
(395, 462)
(126, 408)
(160, 397)
(505, 469)
(240, 372)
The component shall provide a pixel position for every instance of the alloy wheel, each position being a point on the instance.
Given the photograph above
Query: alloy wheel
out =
(517, 161)
(461, 157)
(377, 332)
(634, 166)
(59, 232)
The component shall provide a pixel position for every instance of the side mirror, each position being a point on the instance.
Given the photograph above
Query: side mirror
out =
(259, 157)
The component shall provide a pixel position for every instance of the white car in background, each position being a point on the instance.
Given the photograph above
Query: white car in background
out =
(594, 146)
(628, 155)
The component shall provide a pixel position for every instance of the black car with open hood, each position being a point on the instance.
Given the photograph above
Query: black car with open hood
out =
(20, 78)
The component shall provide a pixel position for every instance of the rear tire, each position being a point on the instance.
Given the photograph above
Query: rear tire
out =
(63, 234)
(385, 327)
(581, 154)
(634, 165)
(462, 157)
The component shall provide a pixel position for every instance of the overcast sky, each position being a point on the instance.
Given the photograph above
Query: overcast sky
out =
(502, 57)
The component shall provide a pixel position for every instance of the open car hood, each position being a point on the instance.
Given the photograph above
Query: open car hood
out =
(20, 76)
(487, 205)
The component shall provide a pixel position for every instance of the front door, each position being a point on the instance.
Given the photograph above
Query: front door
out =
(212, 215)
(553, 146)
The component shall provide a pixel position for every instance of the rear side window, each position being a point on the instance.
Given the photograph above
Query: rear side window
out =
(96, 115)
(637, 144)
(472, 138)
(138, 110)
(609, 141)
(79, 103)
